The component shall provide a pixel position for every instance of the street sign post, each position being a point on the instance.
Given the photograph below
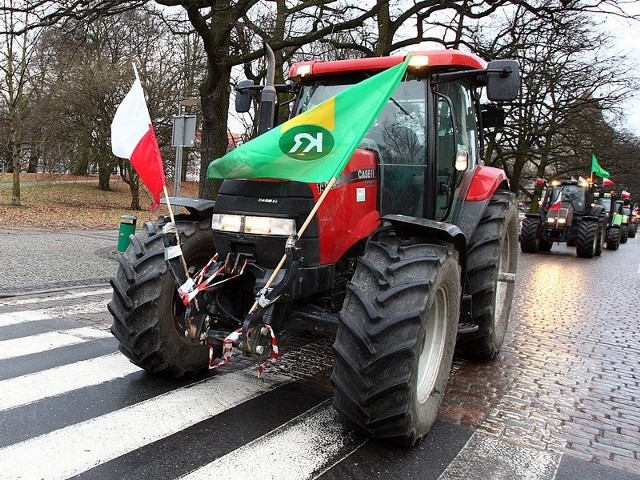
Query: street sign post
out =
(184, 135)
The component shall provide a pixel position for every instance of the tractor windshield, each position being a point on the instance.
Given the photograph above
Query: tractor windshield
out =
(571, 193)
(605, 202)
(397, 137)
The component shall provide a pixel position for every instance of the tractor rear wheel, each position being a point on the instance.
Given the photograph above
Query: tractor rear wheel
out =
(633, 229)
(613, 238)
(491, 269)
(147, 312)
(529, 235)
(396, 338)
(587, 239)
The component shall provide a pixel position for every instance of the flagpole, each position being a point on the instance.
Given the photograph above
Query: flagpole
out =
(304, 226)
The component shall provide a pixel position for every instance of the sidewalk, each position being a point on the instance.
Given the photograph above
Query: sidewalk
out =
(37, 260)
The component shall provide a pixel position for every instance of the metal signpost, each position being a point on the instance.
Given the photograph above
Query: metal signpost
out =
(184, 135)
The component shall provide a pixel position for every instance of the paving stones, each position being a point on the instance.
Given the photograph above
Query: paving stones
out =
(46, 260)
(568, 377)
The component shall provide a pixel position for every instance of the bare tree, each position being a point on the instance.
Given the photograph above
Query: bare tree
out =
(569, 86)
(15, 67)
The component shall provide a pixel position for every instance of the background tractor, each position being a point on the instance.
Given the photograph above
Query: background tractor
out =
(613, 219)
(567, 215)
(412, 254)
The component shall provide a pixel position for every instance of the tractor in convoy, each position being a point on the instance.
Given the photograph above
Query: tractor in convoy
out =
(412, 254)
(613, 219)
(568, 215)
(631, 211)
(623, 207)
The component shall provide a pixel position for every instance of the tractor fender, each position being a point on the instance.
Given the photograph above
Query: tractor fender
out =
(431, 230)
(475, 191)
(195, 206)
(485, 182)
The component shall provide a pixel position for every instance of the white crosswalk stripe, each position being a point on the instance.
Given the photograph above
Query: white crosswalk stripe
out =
(19, 317)
(311, 441)
(29, 388)
(48, 341)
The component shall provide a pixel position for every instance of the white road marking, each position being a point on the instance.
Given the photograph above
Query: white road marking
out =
(14, 318)
(56, 381)
(43, 342)
(298, 449)
(53, 298)
(485, 456)
(77, 448)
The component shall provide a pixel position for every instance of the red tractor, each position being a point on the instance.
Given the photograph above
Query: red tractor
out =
(412, 254)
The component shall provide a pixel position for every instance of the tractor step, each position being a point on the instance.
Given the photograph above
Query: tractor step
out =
(464, 328)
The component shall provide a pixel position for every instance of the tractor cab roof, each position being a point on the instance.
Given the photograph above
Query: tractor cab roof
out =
(424, 62)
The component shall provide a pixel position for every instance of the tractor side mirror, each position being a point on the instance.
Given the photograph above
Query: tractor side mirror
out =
(243, 96)
(503, 80)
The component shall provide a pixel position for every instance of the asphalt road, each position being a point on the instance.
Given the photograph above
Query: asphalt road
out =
(560, 402)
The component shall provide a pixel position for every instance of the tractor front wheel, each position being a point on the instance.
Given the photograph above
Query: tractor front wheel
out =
(587, 240)
(147, 312)
(613, 238)
(624, 233)
(395, 341)
(529, 235)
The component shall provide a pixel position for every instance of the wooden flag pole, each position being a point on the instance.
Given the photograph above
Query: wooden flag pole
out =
(304, 226)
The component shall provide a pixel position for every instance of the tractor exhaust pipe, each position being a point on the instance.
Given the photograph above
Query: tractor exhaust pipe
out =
(268, 98)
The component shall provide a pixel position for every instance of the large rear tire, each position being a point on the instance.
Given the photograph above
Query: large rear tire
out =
(145, 307)
(491, 269)
(396, 338)
(587, 239)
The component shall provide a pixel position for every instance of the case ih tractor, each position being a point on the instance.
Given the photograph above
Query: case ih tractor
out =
(567, 214)
(412, 254)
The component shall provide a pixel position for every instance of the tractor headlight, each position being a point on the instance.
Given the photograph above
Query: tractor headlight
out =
(226, 223)
(562, 221)
(551, 220)
(253, 225)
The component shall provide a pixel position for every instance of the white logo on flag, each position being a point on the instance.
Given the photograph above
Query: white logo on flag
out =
(313, 142)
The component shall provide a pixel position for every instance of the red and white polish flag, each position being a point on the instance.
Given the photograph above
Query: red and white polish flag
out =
(133, 137)
(556, 205)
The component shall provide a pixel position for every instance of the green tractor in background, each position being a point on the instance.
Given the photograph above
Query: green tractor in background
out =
(624, 208)
(568, 215)
(613, 219)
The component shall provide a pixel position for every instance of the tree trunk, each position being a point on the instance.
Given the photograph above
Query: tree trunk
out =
(214, 93)
(15, 192)
(104, 175)
(134, 188)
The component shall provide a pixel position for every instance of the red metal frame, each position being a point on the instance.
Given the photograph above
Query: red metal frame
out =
(349, 213)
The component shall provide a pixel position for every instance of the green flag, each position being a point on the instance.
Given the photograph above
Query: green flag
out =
(316, 145)
(597, 169)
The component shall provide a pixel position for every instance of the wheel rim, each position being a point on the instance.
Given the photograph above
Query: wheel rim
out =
(178, 308)
(503, 284)
(433, 345)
